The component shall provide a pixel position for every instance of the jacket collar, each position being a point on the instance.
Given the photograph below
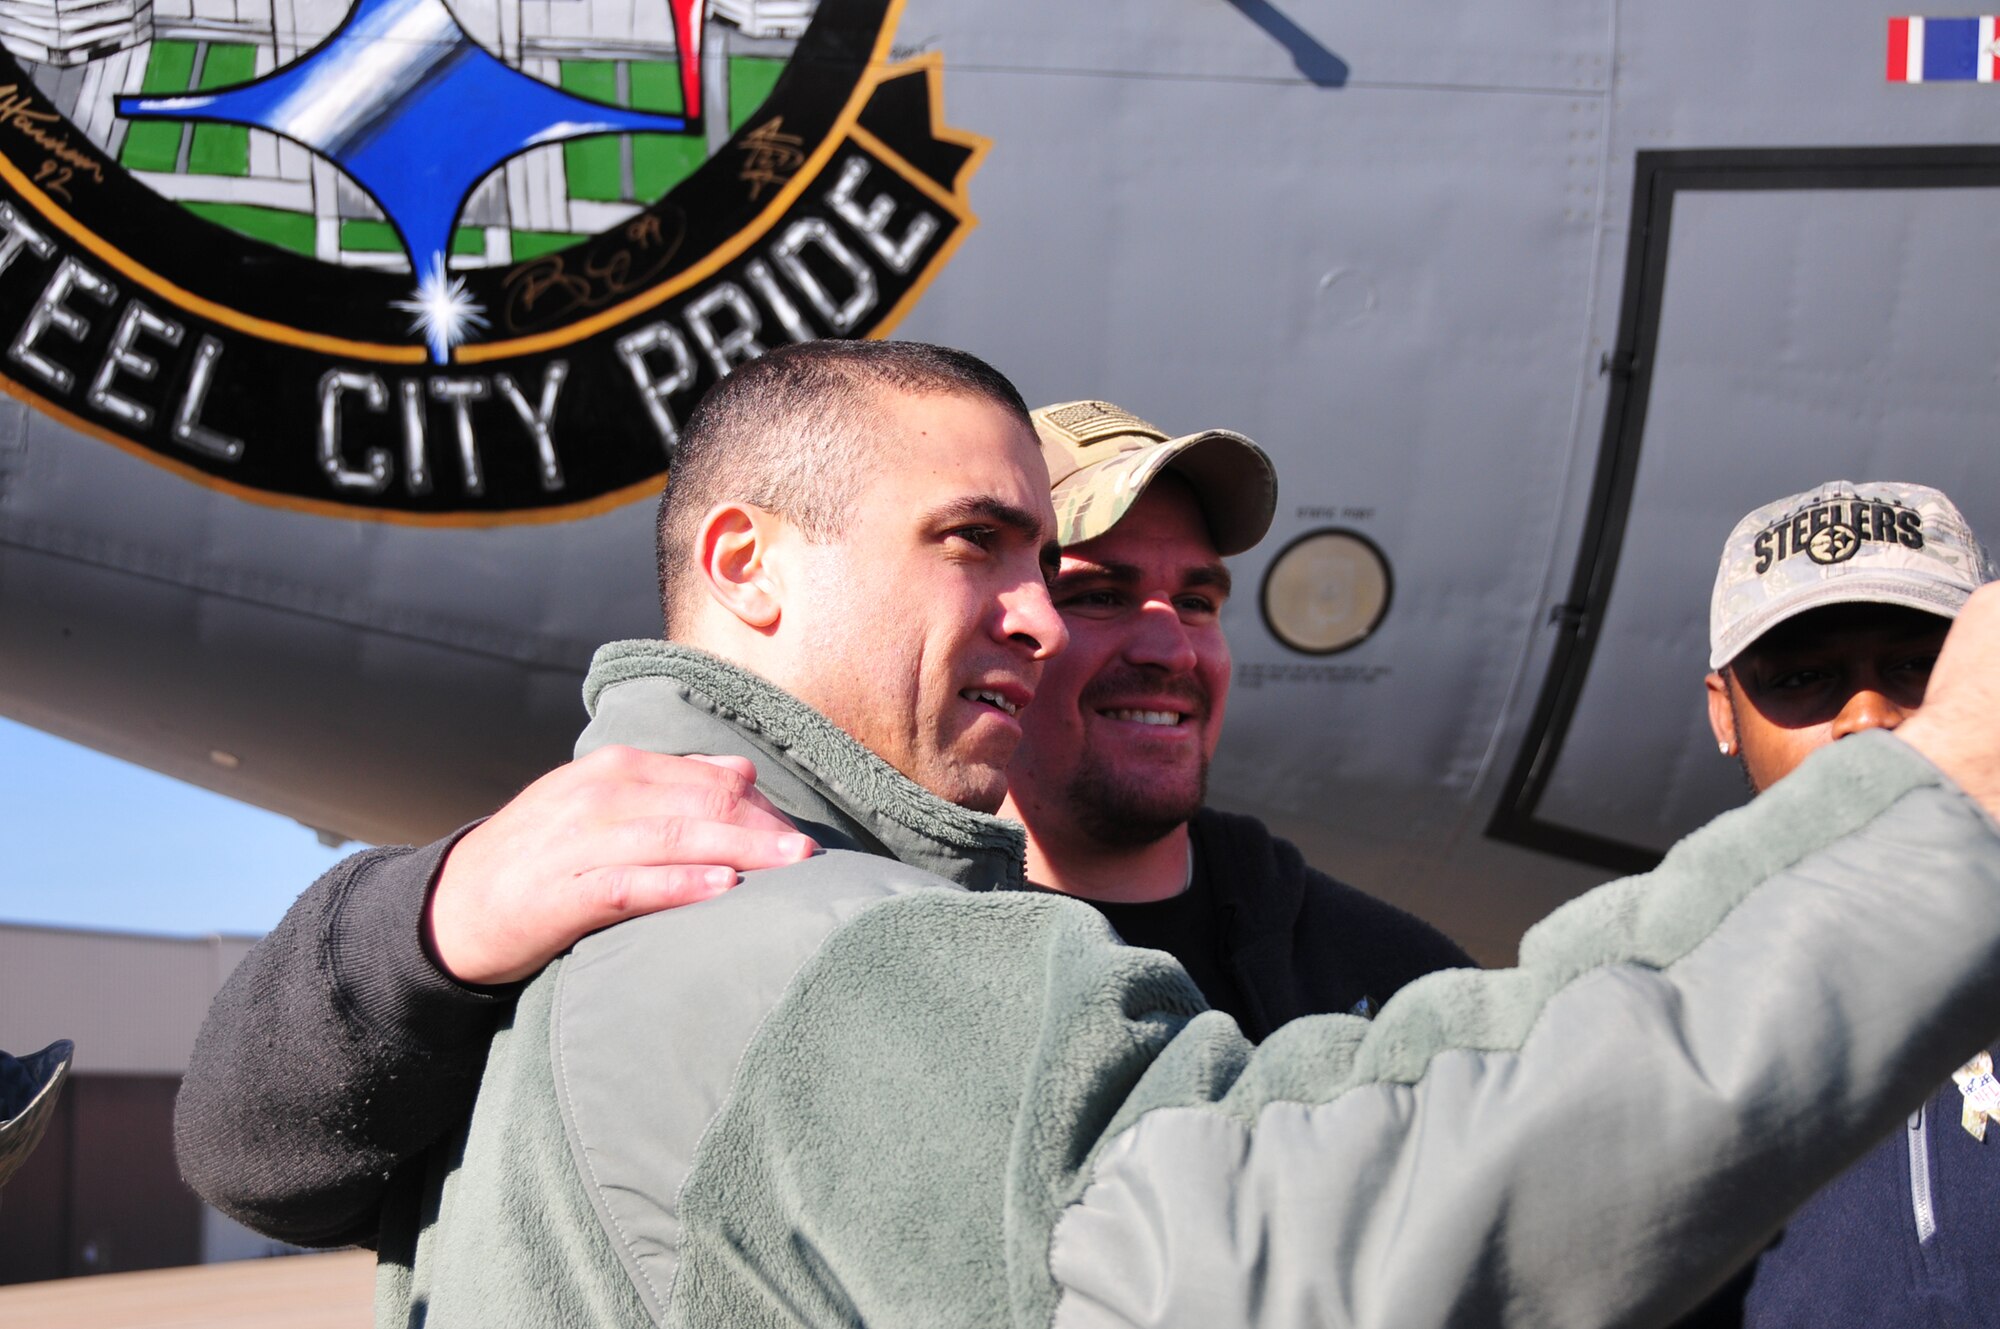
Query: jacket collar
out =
(670, 698)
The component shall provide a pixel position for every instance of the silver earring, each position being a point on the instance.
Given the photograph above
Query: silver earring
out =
(1724, 747)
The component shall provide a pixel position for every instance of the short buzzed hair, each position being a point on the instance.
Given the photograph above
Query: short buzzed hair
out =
(791, 431)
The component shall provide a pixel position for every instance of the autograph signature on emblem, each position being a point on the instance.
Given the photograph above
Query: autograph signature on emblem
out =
(557, 285)
(18, 112)
(770, 156)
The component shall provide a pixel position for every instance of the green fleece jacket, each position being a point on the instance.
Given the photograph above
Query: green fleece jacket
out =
(855, 1092)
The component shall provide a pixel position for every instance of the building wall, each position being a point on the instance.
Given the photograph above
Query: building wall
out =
(131, 1004)
(101, 1194)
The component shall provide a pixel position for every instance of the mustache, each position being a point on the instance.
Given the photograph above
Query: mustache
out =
(1112, 685)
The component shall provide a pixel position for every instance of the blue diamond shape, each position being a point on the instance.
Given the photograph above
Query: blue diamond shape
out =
(406, 103)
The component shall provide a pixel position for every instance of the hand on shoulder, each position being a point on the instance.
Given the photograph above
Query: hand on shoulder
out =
(604, 838)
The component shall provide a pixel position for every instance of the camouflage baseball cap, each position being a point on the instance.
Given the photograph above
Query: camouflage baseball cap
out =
(1101, 458)
(1842, 543)
(28, 1089)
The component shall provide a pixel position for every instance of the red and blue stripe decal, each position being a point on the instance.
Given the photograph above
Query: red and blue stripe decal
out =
(1943, 50)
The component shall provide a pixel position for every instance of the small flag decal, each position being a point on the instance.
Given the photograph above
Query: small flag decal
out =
(1943, 50)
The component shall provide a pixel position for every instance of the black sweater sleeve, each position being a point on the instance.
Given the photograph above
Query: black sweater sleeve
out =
(335, 1052)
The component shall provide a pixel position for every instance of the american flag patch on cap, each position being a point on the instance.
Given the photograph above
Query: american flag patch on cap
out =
(1942, 50)
(1089, 421)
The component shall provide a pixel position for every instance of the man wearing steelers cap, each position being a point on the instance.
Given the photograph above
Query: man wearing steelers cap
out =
(1828, 612)
(1828, 608)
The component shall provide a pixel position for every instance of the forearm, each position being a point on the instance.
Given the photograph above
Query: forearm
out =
(334, 1052)
(1594, 1138)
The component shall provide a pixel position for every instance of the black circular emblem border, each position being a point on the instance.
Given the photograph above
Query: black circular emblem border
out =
(297, 383)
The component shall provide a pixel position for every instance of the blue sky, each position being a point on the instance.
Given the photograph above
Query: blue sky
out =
(90, 841)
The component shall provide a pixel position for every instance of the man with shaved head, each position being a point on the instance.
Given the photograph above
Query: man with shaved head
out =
(876, 1086)
(1110, 780)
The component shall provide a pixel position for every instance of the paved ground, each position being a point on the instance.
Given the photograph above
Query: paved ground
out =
(291, 1292)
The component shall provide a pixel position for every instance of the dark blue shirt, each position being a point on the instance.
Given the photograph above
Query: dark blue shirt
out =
(1858, 1255)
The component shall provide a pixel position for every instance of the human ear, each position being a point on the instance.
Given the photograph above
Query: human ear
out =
(734, 545)
(1721, 716)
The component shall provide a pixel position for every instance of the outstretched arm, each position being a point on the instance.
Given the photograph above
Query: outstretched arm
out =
(353, 1036)
(1594, 1138)
(1600, 1135)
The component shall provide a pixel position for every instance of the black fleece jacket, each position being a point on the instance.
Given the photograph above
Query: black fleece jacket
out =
(1296, 941)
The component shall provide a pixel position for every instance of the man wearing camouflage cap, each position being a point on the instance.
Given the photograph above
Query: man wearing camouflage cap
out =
(1829, 610)
(1113, 764)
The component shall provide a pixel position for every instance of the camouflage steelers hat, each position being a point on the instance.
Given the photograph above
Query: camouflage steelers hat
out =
(28, 1089)
(1101, 458)
(1842, 543)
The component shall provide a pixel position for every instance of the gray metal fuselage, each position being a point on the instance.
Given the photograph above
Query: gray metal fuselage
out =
(1534, 297)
